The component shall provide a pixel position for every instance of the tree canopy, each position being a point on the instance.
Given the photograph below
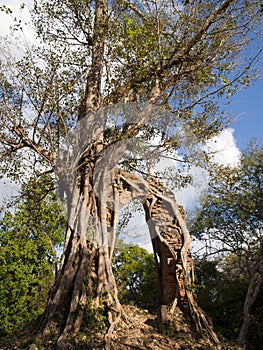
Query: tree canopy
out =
(189, 58)
(232, 211)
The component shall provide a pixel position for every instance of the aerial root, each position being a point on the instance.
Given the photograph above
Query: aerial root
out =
(114, 320)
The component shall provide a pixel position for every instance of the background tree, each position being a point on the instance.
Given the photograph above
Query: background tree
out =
(232, 221)
(136, 276)
(221, 287)
(105, 74)
(29, 237)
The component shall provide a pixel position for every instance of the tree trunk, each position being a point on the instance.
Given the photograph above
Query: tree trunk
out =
(254, 287)
(85, 281)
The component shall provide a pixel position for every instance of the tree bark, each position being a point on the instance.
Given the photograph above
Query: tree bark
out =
(85, 281)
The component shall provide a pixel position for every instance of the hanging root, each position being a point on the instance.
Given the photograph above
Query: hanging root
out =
(113, 322)
(116, 313)
(200, 320)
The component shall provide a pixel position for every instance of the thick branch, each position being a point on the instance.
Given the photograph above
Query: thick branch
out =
(160, 68)
(196, 38)
(92, 98)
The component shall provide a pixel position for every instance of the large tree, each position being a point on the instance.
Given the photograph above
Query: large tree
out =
(113, 85)
(232, 221)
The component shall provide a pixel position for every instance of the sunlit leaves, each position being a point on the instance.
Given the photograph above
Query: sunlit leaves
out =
(145, 41)
(197, 68)
(5, 9)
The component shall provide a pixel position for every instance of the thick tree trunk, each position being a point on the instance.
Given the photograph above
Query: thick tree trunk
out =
(85, 274)
(85, 281)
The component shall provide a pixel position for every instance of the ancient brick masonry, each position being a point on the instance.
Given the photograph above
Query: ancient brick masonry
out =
(171, 244)
(166, 233)
(167, 240)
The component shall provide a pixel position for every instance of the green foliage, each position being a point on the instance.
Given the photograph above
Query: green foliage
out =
(232, 221)
(28, 258)
(5, 9)
(232, 211)
(136, 276)
(221, 292)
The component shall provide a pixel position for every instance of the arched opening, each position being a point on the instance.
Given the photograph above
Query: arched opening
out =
(133, 260)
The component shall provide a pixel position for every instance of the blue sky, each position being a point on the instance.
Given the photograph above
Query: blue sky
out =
(248, 105)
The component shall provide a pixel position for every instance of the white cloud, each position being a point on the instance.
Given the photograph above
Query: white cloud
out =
(223, 148)
(24, 37)
(8, 191)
